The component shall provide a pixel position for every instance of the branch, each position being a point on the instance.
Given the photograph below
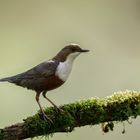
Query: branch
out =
(118, 107)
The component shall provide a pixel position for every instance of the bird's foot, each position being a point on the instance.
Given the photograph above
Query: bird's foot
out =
(58, 110)
(45, 117)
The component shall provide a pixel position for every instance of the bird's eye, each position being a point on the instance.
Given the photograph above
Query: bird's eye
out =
(73, 49)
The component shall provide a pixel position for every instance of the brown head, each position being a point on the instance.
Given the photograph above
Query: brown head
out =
(72, 50)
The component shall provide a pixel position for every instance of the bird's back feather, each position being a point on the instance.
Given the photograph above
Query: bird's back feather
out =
(35, 77)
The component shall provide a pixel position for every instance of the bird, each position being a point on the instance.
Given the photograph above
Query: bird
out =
(48, 75)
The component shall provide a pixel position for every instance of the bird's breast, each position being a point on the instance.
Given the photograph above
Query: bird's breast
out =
(52, 82)
(63, 70)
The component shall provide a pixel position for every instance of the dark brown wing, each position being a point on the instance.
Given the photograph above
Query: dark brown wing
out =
(35, 77)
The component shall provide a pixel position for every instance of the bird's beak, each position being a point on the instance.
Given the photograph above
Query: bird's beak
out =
(83, 50)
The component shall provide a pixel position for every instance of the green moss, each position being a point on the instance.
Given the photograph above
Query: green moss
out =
(118, 107)
(1, 134)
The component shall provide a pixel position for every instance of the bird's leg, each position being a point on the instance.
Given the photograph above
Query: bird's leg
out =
(45, 117)
(55, 106)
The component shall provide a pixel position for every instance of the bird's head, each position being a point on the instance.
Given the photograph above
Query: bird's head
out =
(70, 51)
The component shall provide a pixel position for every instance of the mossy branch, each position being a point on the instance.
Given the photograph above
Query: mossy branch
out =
(118, 107)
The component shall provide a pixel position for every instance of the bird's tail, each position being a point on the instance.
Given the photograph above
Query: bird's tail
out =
(7, 79)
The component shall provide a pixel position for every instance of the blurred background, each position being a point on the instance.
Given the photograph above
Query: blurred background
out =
(32, 31)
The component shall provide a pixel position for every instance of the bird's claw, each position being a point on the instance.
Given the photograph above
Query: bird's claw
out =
(58, 110)
(45, 117)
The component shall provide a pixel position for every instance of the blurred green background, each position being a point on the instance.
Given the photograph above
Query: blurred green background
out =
(32, 31)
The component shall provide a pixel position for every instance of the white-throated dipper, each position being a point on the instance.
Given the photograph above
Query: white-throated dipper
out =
(48, 75)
